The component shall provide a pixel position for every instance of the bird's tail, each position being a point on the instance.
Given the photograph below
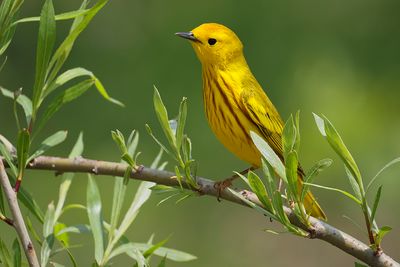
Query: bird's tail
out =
(310, 204)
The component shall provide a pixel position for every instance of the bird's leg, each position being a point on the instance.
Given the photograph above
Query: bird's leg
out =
(221, 185)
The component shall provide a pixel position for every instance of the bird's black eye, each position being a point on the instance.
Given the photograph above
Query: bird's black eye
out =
(212, 41)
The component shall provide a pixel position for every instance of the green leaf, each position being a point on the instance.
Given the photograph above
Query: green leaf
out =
(22, 151)
(376, 202)
(76, 229)
(382, 232)
(95, 218)
(22, 100)
(8, 13)
(347, 194)
(5, 256)
(291, 164)
(259, 189)
(339, 147)
(187, 149)
(320, 124)
(77, 150)
(79, 24)
(45, 44)
(17, 253)
(26, 198)
(132, 143)
(48, 229)
(151, 250)
(312, 173)
(253, 205)
(288, 137)
(181, 122)
(32, 230)
(156, 161)
(278, 206)
(269, 154)
(49, 142)
(118, 200)
(353, 183)
(63, 16)
(160, 189)
(269, 173)
(162, 116)
(67, 177)
(102, 90)
(142, 195)
(150, 132)
(119, 139)
(64, 237)
(63, 98)
(9, 159)
(396, 160)
(171, 254)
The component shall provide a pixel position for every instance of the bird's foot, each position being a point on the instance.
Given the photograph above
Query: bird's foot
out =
(222, 185)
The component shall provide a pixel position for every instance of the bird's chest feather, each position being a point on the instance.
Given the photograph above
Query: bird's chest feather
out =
(227, 119)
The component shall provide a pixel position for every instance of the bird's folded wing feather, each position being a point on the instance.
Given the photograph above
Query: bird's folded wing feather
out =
(265, 116)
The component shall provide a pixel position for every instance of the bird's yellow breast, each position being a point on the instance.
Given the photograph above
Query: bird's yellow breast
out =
(224, 111)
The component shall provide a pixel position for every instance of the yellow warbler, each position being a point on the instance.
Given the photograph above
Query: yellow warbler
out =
(234, 101)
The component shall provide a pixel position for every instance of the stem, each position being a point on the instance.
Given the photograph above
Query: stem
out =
(371, 236)
(18, 221)
(320, 230)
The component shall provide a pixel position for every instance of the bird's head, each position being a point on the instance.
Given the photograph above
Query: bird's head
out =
(214, 43)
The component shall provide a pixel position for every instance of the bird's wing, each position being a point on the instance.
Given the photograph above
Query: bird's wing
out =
(265, 116)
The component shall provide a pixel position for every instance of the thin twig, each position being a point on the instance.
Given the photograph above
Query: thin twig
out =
(320, 230)
(18, 221)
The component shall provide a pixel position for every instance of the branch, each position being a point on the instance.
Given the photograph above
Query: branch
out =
(18, 221)
(320, 230)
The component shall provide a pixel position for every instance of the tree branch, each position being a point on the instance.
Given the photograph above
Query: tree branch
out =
(18, 221)
(320, 230)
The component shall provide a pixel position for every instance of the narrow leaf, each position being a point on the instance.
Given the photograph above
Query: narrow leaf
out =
(382, 232)
(22, 100)
(395, 161)
(17, 253)
(181, 122)
(49, 142)
(171, 254)
(259, 189)
(63, 98)
(376, 203)
(5, 256)
(291, 164)
(162, 116)
(288, 137)
(95, 218)
(312, 173)
(9, 158)
(62, 16)
(45, 44)
(347, 194)
(269, 154)
(340, 148)
(48, 242)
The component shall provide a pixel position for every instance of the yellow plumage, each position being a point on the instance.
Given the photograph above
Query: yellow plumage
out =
(234, 101)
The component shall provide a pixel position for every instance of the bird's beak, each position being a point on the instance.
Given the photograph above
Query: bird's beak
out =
(188, 35)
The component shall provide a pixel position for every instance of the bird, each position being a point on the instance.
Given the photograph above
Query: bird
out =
(235, 103)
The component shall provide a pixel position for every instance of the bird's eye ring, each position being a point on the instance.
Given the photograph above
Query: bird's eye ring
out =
(212, 41)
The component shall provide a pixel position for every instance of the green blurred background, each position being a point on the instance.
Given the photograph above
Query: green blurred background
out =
(338, 58)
